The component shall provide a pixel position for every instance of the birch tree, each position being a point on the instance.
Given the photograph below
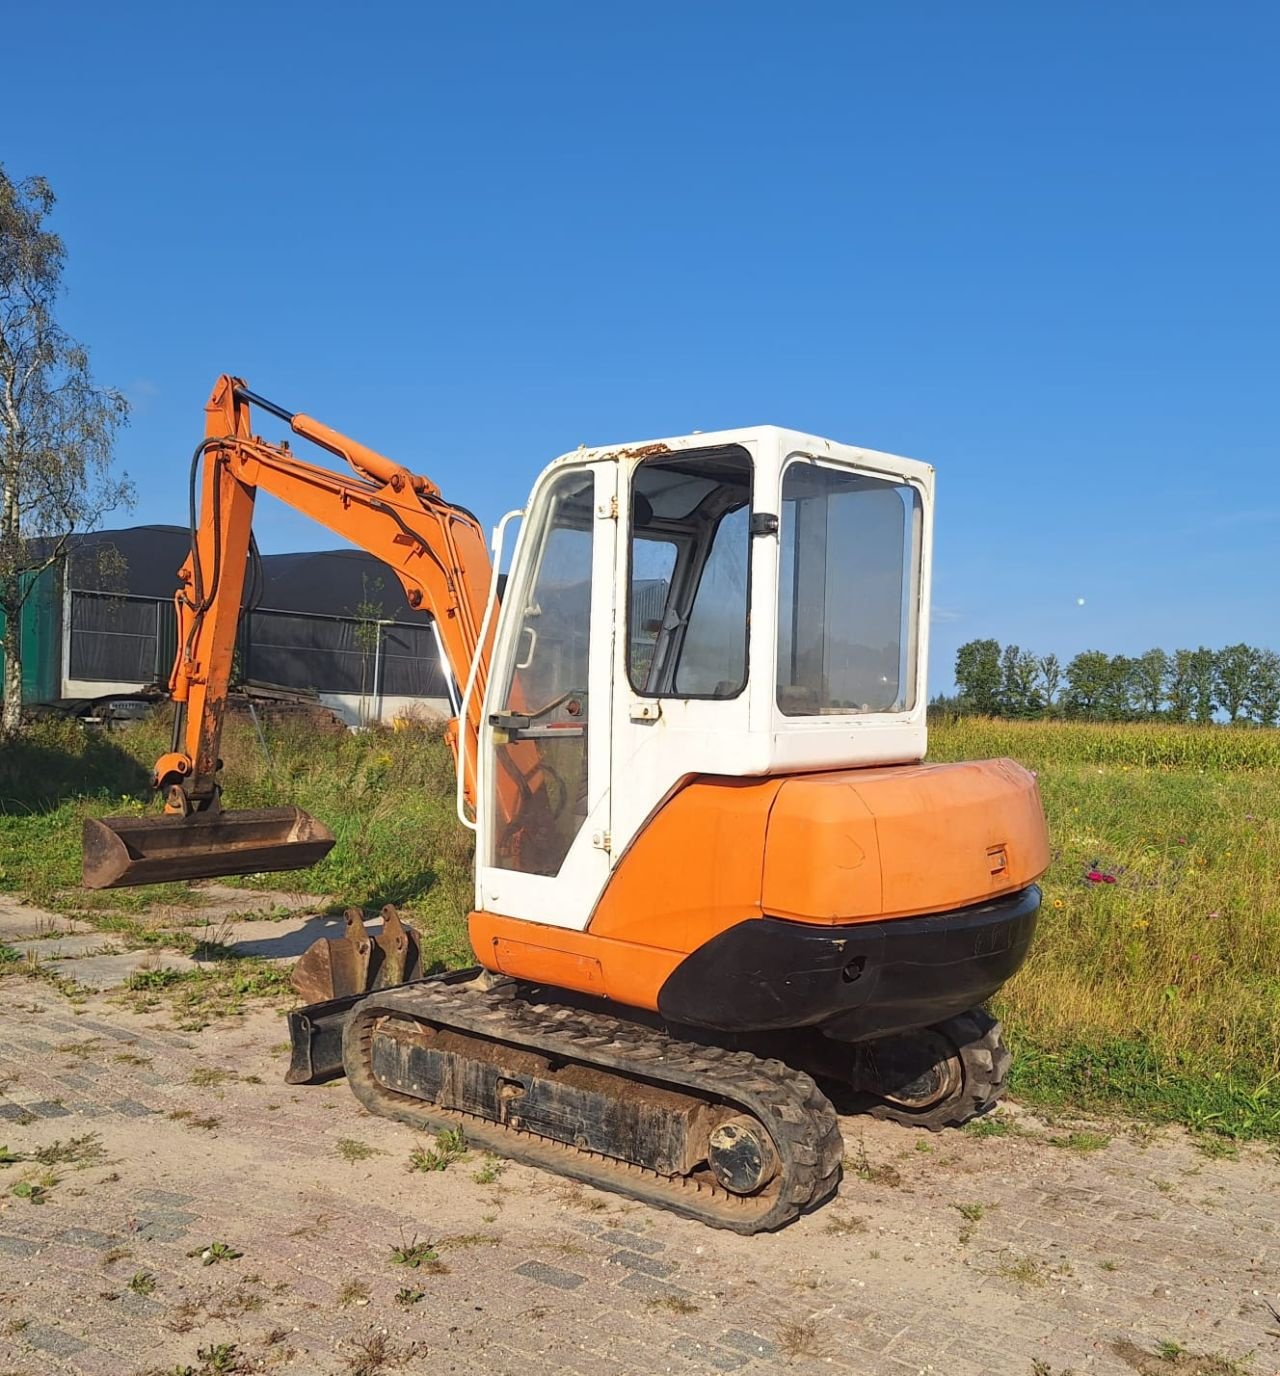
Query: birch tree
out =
(56, 426)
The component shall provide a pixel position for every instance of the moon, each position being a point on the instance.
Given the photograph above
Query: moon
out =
(1079, 601)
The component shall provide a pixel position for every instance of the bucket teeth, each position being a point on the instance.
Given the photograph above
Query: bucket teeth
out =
(358, 962)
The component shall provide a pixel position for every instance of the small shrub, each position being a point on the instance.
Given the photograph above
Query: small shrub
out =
(417, 1256)
(451, 1146)
(353, 1292)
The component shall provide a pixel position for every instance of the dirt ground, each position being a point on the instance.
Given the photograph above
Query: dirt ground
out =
(194, 1214)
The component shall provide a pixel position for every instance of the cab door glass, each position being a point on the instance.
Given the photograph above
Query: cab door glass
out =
(539, 727)
(653, 562)
(689, 573)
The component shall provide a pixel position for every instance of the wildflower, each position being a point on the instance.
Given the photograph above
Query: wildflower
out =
(1108, 879)
(1057, 903)
(1142, 924)
(1094, 877)
(1215, 914)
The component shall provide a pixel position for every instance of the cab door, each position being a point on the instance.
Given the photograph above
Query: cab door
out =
(542, 847)
(681, 661)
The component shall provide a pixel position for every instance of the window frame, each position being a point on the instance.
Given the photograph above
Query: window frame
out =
(681, 456)
(913, 586)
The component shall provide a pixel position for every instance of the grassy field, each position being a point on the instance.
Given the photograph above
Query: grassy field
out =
(1160, 991)
(1154, 986)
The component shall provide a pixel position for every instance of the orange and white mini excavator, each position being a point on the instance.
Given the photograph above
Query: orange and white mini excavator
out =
(712, 871)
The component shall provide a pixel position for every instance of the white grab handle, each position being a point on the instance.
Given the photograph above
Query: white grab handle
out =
(499, 535)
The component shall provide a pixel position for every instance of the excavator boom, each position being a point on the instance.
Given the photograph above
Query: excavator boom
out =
(438, 552)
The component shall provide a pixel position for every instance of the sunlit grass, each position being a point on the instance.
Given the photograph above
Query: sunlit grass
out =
(1160, 990)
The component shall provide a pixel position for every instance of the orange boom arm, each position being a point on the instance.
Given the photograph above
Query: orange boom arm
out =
(437, 550)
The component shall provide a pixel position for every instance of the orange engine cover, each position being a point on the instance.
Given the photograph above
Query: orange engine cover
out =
(849, 845)
(862, 844)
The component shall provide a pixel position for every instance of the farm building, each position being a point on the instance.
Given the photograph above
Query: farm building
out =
(333, 622)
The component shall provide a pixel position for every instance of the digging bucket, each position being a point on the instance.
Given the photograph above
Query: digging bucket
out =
(120, 851)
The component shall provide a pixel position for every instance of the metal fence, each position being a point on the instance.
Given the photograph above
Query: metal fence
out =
(126, 639)
(120, 639)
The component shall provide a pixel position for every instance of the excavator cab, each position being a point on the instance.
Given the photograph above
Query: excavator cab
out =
(739, 605)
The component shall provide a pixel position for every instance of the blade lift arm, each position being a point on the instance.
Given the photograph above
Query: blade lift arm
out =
(437, 550)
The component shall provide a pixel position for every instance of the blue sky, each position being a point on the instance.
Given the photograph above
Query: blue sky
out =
(1033, 245)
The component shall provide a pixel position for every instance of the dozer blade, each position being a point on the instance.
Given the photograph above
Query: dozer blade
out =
(315, 1031)
(357, 962)
(119, 851)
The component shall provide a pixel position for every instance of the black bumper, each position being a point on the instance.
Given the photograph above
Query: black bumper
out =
(867, 979)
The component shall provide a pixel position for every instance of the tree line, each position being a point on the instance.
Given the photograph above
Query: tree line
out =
(1239, 682)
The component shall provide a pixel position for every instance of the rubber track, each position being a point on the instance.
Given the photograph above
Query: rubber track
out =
(796, 1113)
(979, 1043)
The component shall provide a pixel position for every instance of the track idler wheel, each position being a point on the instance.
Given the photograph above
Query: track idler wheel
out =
(741, 1155)
(940, 1077)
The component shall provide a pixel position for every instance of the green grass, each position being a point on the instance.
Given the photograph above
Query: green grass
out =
(352, 1150)
(490, 1170)
(417, 1256)
(451, 1146)
(216, 1252)
(1081, 1142)
(1158, 994)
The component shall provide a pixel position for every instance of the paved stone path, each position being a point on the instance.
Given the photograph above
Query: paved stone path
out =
(103, 960)
(950, 1253)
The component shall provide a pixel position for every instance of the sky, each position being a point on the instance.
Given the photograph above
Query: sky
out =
(1036, 246)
